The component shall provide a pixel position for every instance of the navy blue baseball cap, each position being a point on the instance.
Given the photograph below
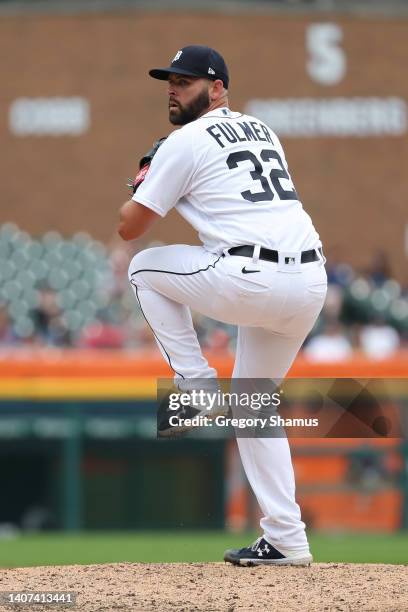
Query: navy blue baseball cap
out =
(195, 60)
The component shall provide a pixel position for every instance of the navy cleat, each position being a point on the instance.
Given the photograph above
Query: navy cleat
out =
(176, 427)
(173, 422)
(263, 553)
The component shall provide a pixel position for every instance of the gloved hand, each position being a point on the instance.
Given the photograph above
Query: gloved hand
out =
(144, 165)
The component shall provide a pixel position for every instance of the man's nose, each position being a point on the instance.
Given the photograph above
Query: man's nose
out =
(170, 89)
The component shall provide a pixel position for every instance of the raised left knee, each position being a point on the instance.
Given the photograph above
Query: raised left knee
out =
(139, 263)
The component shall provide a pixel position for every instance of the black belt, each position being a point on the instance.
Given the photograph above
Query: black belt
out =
(270, 255)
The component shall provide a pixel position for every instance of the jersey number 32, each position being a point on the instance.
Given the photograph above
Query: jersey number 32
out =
(257, 174)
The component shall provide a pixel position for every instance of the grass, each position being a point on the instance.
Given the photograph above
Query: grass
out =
(111, 547)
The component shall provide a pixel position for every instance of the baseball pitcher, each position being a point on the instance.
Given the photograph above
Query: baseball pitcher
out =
(260, 267)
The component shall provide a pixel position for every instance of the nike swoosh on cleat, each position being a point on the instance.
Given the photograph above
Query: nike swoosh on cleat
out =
(245, 271)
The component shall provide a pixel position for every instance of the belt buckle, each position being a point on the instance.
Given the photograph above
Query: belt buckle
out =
(289, 261)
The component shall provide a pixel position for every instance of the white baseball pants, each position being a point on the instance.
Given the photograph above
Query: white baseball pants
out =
(274, 309)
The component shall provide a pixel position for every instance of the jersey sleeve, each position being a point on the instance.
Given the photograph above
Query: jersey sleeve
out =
(170, 174)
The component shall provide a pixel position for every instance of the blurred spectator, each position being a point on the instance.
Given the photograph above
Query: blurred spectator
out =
(75, 292)
(379, 340)
(379, 270)
(338, 272)
(49, 324)
(119, 259)
(334, 302)
(102, 335)
(6, 331)
(330, 345)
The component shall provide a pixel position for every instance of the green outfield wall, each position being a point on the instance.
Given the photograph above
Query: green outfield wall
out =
(98, 465)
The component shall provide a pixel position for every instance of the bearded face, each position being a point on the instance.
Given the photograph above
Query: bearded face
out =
(181, 113)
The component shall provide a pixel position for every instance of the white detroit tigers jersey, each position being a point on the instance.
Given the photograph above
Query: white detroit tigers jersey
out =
(227, 175)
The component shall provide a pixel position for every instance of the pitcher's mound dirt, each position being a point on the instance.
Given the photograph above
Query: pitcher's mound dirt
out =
(217, 587)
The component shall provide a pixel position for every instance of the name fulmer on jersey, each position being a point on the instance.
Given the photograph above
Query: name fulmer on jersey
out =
(242, 131)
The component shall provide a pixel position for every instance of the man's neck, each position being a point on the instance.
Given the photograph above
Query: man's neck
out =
(221, 103)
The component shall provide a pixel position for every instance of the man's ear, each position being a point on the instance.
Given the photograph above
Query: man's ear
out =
(216, 90)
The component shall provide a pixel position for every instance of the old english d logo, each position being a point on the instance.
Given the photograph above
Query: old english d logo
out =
(177, 56)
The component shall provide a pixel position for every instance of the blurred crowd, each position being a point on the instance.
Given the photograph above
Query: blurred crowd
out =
(75, 293)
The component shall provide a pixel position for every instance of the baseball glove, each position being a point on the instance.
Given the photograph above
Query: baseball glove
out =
(144, 165)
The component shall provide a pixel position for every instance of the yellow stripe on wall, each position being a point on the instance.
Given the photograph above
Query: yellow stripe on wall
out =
(78, 388)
